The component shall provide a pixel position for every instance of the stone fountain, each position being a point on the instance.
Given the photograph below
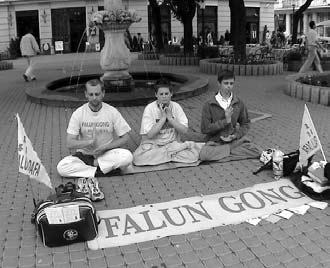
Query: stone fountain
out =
(123, 88)
(115, 56)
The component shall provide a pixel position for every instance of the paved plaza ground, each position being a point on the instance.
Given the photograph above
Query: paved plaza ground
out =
(301, 241)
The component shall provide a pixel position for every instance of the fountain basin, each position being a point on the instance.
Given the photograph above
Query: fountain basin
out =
(69, 91)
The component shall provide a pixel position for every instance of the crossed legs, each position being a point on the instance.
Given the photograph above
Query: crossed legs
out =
(73, 166)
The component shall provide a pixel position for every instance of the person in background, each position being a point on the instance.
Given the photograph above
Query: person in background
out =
(209, 39)
(227, 38)
(140, 42)
(135, 44)
(221, 40)
(267, 39)
(313, 44)
(29, 48)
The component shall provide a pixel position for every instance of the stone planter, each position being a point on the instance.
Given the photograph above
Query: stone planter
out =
(178, 60)
(5, 65)
(309, 93)
(211, 66)
(148, 56)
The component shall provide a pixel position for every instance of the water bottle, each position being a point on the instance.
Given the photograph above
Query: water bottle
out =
(278, 164)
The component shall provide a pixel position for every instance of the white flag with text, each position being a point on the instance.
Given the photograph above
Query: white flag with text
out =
(309, 141)
(28, 160)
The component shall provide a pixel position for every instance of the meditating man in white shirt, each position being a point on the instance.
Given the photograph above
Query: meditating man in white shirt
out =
(163, 123)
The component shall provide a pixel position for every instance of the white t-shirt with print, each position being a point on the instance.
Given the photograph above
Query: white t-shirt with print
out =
(106, 122)
(152, 115)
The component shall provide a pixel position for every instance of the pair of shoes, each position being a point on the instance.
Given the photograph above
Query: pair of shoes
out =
(83, 187)
(25, 78)
(33, 79)
(90, 188)
(96, 194)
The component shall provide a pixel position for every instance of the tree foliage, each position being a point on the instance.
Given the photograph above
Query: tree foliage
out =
(298, 15)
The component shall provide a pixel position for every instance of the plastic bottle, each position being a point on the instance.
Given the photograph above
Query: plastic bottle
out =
(278, 164)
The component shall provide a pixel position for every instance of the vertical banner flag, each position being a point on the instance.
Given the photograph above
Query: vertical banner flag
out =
(309, 141)
(28, 160)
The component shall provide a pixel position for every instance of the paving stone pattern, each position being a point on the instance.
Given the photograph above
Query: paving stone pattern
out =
(301, 241)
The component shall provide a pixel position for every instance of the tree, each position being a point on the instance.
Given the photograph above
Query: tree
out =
(237, 29)
(184, 11)
(156, 19)
(298, 15)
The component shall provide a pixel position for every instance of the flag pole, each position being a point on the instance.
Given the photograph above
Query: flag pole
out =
(33, 195)
(318, 139)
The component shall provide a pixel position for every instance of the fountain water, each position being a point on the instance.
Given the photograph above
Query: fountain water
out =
(115, 56)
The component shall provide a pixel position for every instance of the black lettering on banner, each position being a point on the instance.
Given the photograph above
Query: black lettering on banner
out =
(37, 169)
(310, 145)
(169, 218)
(131, 224)
(269, 196)
(261, 202)
(199, 212)
(225, 207)
(33, 168)
(27, 164)
(299, 194)
(149, 222)
(109, 226)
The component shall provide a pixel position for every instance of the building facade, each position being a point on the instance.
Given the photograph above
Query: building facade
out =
(67, 21)
(318, 11)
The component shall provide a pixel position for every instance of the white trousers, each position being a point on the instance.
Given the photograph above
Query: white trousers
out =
(31, 65)
(312, 57)
(72, 166)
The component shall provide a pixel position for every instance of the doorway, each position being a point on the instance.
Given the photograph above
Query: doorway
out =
(252, 25)
(27, 20)
(69, 25)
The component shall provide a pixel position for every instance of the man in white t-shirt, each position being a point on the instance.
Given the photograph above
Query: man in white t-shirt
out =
(29, 49)
(162, 123)
(91, 133)
(313, 45)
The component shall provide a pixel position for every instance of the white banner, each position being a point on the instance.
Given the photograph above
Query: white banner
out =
(28, 160)
(148, 222)
(309, 141)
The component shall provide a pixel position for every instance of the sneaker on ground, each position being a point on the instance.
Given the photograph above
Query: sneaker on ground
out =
(96, 194)
(25, 78)
(83, 187)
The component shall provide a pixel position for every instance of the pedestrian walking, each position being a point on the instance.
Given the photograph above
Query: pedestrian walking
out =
(29, 48)
(313, 45)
